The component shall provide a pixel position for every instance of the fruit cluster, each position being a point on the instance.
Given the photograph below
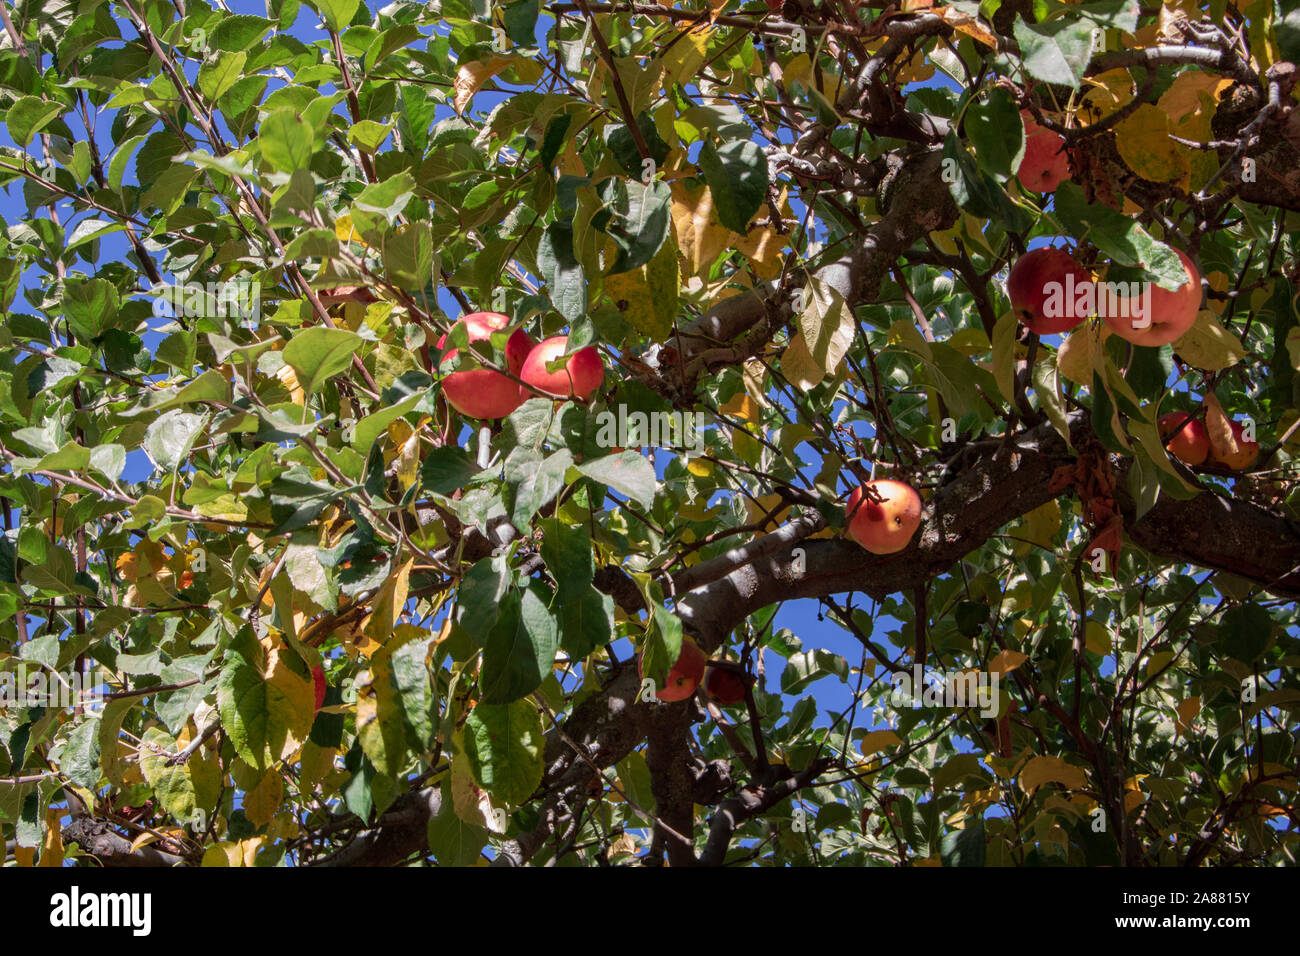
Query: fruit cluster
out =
(485, 394)
(723, 683)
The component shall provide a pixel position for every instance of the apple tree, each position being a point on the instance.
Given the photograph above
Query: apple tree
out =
(230, 477)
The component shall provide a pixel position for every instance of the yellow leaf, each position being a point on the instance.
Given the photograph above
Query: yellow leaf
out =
(345, 232)
(408, 461)
(1007, 661)
(1208, 345)
(386, 607)
(1187, 711)
(701, 238)
(262, 801)
(1038, 527)
(1096, 638)
(1222, 440)
(686, 53)
(471, 76)
(472, 805)
(1144, 144)
(25, 855)
(1108, 92)
(1190, 102)
(878, 740)
(52, 849)
(1079, 353)
(1043, 770)
(289, 379)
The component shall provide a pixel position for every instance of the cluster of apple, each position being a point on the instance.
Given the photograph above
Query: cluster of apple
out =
(1040, 274)
(484, 394)
(1188, 440)
(722, 685)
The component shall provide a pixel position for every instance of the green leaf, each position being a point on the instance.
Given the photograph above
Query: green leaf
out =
(1244, 632)
(540, 486)
(319, 352)
(266, 713)
(169, 439)
(181, 788)
(337, 14)
(640, 220)
(520, 649)
(996, 133)
(586, 622)
(90, 307)
(1057, 51)
(504, 745)
(566, 284)
(28, 116)
(737, 178)
(219, 75)
(628, 473)
(976, 192)
(1118, 236)
(964, 847)
(480, 594)
(566, 549)
(806, 667)
(79, 758)
(381, 726)
(286, 140)
(446, 470)
(663, 644)
(452, 841)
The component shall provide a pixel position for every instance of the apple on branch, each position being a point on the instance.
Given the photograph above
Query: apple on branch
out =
(884, 526)
(1185, 437)
(685, 674)
(483, 393)
(1041, 288)
(723, 685)
(579, 377)
(1045, 163)
(1172, 311)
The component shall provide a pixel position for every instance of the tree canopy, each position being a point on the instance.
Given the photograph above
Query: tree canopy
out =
(231, 477)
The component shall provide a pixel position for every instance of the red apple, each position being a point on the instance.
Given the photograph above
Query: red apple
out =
(318, 681)
(886, 526)
(1042, 287)
(481, 392)
(1045, 163)
(724, 686)
(579, 378)
(684, 676)
(1172, 311)
(1243, 458)
(1190, 443)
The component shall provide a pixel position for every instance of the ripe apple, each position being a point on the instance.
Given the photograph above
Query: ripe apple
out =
(684, 676)
(579, 378)
(724, 686)
(1247, 451)
(1172, 311)
(1041, 288)
(481, 392)
(318, 681)
(886, 526)
(1045, 163)
(1191, 443)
